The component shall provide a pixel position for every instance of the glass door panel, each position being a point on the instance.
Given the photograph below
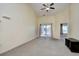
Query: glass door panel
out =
(45, 30)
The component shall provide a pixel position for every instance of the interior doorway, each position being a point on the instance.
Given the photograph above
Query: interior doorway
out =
(45, 30)
(63, 30)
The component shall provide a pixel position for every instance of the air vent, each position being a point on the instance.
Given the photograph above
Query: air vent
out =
(6, 17)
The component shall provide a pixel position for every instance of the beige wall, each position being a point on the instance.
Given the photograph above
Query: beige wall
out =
(74, 21)
(56, 20)
(19, 29)
(22, 27)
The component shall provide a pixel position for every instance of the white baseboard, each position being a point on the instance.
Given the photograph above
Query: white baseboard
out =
(17, 46)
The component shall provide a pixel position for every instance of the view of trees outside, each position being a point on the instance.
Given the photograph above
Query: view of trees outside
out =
(46, 30)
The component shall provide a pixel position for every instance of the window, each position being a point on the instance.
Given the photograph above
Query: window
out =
(65, 29)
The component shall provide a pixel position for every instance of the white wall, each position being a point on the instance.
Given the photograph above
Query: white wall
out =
(56, 20)
(19, 29)
(74, 21)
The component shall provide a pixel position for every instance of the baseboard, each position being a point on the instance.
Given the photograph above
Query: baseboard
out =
(18, 46)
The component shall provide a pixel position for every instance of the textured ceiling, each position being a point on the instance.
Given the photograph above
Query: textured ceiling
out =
(58, 8)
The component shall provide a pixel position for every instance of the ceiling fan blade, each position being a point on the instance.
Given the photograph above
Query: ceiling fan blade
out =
(42, 8)
(51, 4)
(52, 8)
(44, 5)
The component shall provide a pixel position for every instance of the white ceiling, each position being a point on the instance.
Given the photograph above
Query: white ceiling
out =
(58, 7)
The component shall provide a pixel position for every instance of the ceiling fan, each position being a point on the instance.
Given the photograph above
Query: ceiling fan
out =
(48, 7)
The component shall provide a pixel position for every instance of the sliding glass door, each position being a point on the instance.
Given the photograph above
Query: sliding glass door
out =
(46, 30)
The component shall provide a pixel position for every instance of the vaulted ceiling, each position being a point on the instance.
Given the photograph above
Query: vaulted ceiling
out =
(58, 8)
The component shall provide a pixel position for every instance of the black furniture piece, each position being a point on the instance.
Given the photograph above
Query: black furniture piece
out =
(72, 44)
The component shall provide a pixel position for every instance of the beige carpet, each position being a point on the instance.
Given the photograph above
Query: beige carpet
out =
(42, 47)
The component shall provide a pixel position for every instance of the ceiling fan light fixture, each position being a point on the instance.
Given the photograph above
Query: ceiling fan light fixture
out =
(47, 8)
